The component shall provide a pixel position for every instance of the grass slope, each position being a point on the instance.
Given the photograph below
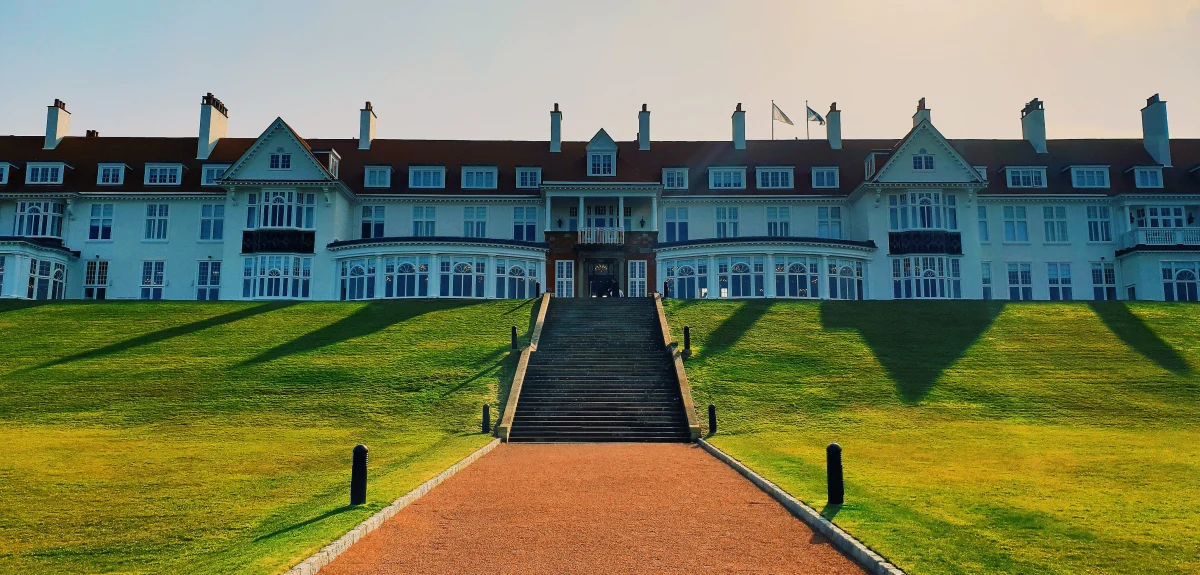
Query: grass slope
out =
(979, 437)
(215, 438)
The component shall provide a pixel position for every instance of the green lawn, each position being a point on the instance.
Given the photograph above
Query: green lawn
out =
(216, 438)
(979, 437)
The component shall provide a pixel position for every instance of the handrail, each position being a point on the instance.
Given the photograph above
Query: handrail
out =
(514, 391)
(1162, 237)
(685, 389)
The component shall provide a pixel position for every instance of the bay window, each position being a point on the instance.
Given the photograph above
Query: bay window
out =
(281, 209)
(277, 277)
(406, 276)
(922, 211)
(926, 277)
(47, 280)
(797, 277)
(39, 219)
(357, 279)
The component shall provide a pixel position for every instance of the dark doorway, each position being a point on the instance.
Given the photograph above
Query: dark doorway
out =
(602, 278)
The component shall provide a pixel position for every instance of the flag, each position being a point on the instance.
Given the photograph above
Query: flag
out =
(815, 117)
(777, 114)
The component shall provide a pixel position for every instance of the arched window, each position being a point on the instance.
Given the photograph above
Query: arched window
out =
(922, 160)
(796, 277)
(358, 279)
(406, 277)
(1180, 281)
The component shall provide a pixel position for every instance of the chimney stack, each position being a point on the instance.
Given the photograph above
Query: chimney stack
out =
(833, 127)
(1154, 130)
(214, 124)
(644, 129)
(1033, 125)
(92, 134)
(366, 127)
(58, 122)
(922, 113)
(555, 129)
(739, 128)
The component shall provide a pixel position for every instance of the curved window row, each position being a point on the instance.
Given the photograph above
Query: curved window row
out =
(792, 276)
(410, 276)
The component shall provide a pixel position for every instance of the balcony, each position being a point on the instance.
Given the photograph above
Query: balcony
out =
(601, 236)
(1159, 238)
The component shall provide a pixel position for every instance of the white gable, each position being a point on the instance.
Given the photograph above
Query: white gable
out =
(601, 142)
(255, 164)
(948, 165)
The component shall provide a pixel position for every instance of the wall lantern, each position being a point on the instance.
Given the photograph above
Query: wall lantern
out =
(560, 223)
(643, 222)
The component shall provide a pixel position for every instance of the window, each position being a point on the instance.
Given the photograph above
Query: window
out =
(1099, 224)
(525, 224)
(100, 224)
(156, 222)
(475, 222)
(529, 177)
(1054, 220)
(378, 177)
(779, 221)
(727, 222)
(357, 279)
(1180, 280)
(983, 174)
(1148, 177)
(687, 279)
(406, 276)
(825, 177)
(462, 276)
(845, 279)
(829, 222)
(1104, 281)
(280, 160)
(573, 218)
(1090, 177)
(47, 279)
(741, 276)
(987, 280)
(212, 222)
(162, 175)
(2, 261)
(564, 278)
(3, 174)
(922, 211)
(604, 216)
(926, 277)
(1016, 227)
(730, 179)
(372, 221)
(39, 219)
(1160, 217)
(922, 160)
(95, 280)
(675, 179)
(1058, 276)
(516, 279)
(1026, 177)
(484, 178)
(153, 279)
(251, 211)
(44, 174)
(601, 163)
(983, 224)
(424, 221)
(1020, 281)
(208, 281)
(284, 209)
(770, 178)
(796, 277)
(677, 224)
(111, 174)
(212, 173)
(426, 177)
(277, 277)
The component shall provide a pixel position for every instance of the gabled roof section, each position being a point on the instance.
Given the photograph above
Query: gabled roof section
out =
(602, 142)
(925, 135)
(240, 170)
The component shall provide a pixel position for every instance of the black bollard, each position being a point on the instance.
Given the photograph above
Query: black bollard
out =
(712, 419)
(487, 418)
(666, 286)
(833, 468)
(687, 341)
(358, 476)
(514, 337)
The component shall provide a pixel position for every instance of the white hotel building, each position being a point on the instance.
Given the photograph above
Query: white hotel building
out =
(281, 217)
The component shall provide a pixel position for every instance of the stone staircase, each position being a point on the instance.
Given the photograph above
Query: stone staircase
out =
(600, 373)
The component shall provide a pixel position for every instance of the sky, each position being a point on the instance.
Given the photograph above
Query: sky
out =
(455, 69)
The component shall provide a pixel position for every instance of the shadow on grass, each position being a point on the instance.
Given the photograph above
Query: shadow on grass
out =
(168, 333)
(733, 328)
(20, 304)
(831, 510)
(519, 306)
(508, 369)
(370, 318)
(1130, 329)
(296, 526)
(914, 341)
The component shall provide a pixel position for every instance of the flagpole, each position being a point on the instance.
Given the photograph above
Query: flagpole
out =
(806, 135)
(772, 119)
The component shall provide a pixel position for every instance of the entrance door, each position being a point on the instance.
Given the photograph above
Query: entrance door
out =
(637, 278)
(602, 278)
(564, 278)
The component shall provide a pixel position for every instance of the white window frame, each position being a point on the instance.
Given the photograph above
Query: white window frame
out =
(280, 160)
(153, 279)
(53, 171)
(676, 219)
(727, 221)
(216, 213)
(985, 279)
(479, 177)
(1160, 217)
(159, 172)
(437, 177)
(735, 181)
(983, 173)
(525, 219)
(382, 176)
(1029, 176)
(825, 178)
(1089, 176)
(406, 276)
(524, 181)
(927, 277)
(1058, 281)
(779, 221)
(158, 222)
(911, 211)
(357, 279)
(981, 214)
(95, 280)
(778, 178)
(373, 221)
(208, 280)
(1148, 177)
(603, 164)
(564, 278)
(1099, 219)
(1023, 286)
(424, 221)
(277, 276)
(923, 160)
(475, 221)
(101, 219)
(1104, 280)
(117, 170)
(45, 222)
(1020, 224)
(5, 168)
(1055, 225)
(296, 210)
(46, 274)
(214, 170)
(675, 178)
(829, 222)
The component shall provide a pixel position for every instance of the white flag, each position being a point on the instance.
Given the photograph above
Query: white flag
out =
(815, 117)
(777, 114)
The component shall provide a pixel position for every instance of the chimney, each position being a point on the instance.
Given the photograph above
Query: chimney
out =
(92, 134)
(58, 122)
(739, 128)
(214, 123)
(1154, 130)
(1033, 125)
(555, 129)
(366, 127)
(922, 113)
(644, 129)
(833, 127)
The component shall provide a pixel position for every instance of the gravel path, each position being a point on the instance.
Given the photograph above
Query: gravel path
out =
(594, 508)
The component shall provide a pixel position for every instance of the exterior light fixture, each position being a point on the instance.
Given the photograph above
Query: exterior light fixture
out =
(560, 223)
(643, 222)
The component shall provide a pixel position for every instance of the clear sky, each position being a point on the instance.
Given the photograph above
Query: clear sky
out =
(492, 70)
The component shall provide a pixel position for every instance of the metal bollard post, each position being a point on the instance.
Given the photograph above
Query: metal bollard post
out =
(666, 286)
(487, 418)
(833, 467)
(687, 341)
(514, 337)
(358, 476)
(712, 419)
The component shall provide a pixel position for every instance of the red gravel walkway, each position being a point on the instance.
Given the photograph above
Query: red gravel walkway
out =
(601, 508)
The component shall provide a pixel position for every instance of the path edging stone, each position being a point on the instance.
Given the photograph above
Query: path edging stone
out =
(842, 541)
(327, 554)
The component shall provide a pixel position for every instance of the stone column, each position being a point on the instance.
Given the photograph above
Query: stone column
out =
(823, 278)
(769, 279)
(714, 288)
(435, 272)
(654, 214)
(489, 279)
(548, 228)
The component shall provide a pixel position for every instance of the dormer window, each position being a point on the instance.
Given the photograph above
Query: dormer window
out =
(111, 174)
(601, 163)
(982, 172)
(1090, 177)
(1026, 177)
(378, 177)
(44, 174)
(163, 174)
(675, 179)
(529, 177)
(825, 177)
(1148, 177)
(280, 160)
(479, 178)
(727, 178)
(922, 160)
(774, 178)
(4, 169)
(212, 173)
(427, 177)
